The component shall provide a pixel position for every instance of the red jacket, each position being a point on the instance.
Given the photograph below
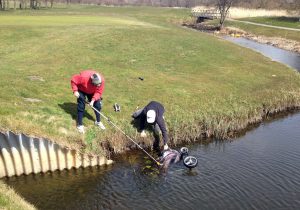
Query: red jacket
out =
(83, 83)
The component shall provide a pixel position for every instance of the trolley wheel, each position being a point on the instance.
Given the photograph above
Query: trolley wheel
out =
(190, 161)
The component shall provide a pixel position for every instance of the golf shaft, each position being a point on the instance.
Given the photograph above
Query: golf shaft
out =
(158, 163)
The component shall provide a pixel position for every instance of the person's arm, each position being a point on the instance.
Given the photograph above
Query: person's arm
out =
(99, 91)
(142, 121)
(161, 123)
(75, 81)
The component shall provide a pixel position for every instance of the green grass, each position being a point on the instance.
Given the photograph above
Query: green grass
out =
(290, 22)
(10, 200)
(56, 21)
(205, 83)
(266, 31)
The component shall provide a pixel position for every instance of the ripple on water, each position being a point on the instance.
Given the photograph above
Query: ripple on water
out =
(260, 170)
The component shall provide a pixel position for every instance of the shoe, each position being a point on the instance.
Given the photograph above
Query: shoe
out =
(100, 125)
(80, 128)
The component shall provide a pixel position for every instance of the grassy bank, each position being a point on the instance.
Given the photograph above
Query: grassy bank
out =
(291, 22)
(265, 31)
(208, 86)
(10, 200)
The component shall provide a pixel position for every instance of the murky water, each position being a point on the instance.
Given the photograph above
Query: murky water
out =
(260, 170)
(289, 58)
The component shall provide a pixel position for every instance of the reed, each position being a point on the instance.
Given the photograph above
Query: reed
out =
(245, 13)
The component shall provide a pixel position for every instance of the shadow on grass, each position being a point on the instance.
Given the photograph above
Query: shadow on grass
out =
(71, 109)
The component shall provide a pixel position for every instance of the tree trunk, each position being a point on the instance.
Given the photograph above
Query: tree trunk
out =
(223, 7)
(187, 3)
(151, 3)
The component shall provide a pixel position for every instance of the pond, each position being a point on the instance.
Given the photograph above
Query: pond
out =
(283, 56)
(260, 170)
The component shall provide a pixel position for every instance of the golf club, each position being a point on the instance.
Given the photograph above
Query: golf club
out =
(158, 163)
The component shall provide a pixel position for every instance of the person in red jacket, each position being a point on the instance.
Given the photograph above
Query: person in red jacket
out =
(88, 84)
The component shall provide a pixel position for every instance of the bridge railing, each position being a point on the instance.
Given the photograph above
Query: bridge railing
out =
(210, 14)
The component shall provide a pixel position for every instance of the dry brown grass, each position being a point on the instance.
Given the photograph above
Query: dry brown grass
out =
(243, 13)
(236, 12)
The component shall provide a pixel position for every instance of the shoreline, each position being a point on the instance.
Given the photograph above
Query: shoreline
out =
(208, 135)
(204, 132)
(279, 42)
(282, 43)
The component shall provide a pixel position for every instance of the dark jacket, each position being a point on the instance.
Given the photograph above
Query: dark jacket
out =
(159, 110)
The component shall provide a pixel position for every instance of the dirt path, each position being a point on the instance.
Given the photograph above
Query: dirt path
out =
(265, 25)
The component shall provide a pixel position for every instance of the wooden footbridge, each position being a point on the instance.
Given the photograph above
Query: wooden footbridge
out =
(202, 15)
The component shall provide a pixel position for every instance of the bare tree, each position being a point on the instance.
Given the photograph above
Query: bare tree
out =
(297, 7)
(23, 4)
(187, 3)
(3, 4)
(223, 7)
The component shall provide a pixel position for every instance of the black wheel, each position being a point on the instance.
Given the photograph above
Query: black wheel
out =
(190, 161)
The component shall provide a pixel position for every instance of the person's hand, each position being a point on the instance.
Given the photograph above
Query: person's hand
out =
(166, 147)
(143, 134)
(76, 94)
(92, 103)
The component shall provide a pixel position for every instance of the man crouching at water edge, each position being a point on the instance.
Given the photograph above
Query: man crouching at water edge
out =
(153, 115)
(88, 84)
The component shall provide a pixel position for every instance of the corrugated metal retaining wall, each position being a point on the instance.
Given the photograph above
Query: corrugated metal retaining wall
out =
(20, 154)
